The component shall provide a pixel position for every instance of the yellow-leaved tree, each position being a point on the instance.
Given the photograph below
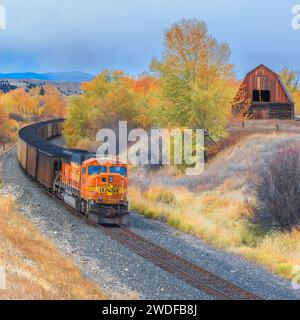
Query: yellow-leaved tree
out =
(4, 124)
(194, 79)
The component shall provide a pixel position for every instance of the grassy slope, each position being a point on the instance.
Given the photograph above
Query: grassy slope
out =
(35, 269)
(212, 206)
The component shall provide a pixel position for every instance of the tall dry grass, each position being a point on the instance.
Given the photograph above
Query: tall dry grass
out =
(35, 268)
(213, 208)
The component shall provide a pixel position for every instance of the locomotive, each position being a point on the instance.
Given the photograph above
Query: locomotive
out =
(95, 187)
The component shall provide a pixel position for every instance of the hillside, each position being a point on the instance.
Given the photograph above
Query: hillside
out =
(35, 268)
(213, 205)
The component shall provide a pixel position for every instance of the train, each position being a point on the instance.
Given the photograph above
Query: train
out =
(97, 188)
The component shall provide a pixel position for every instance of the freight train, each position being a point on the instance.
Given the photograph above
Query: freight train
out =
(97, 189)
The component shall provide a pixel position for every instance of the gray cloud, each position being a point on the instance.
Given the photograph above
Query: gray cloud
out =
(62, 35)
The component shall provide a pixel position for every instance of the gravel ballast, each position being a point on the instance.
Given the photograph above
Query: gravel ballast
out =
(114, 267)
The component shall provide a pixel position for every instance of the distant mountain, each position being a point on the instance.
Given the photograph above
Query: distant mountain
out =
(73, 76)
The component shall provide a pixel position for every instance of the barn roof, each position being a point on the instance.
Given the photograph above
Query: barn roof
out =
(289, 96)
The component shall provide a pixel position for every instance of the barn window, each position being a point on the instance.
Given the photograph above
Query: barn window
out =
(256, 96)
(261, 96)
(265, 96)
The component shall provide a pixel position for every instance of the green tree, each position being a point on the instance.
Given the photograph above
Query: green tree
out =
(194, 78)
(290, 79)
(77, 122)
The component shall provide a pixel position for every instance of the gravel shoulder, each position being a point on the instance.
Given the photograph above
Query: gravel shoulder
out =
(227, 265)
(121, 273)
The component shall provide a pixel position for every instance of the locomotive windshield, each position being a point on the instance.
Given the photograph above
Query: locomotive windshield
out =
(97, 170)
(120, 170)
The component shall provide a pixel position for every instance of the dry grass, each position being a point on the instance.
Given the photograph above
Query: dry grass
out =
(212, 206)
(213, 216)
(35, 269)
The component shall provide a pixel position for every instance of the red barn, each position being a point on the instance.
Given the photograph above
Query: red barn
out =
(263, 95)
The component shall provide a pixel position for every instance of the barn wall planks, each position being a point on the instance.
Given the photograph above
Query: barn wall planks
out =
(280, 106)
(264, 79)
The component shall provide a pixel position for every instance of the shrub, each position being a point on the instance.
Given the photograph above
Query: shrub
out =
(87, 144)
(160, 194)
(277, 191)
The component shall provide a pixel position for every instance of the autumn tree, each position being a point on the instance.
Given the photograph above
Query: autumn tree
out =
(21, 103)
(76, 123)
(52, 102)
(193, 78)
(19, 107)
(4, 124)
(107, 99)
(291, 80)
(191, 87)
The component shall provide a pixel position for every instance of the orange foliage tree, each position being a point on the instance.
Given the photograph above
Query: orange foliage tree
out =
(19, 107)
(109, 98)
(4, 124)
(53, 103)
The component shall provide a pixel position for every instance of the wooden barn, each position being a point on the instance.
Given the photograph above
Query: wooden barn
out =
(263, 95)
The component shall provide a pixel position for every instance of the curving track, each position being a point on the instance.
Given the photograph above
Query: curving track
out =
(207, 282)
(196, 276)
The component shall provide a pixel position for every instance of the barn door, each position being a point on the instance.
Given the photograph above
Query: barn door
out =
(261, 114)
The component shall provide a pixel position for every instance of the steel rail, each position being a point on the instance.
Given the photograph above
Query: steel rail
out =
(198, 277)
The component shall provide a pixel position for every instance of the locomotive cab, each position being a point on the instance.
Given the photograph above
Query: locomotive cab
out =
(104, 189)
(104, 183)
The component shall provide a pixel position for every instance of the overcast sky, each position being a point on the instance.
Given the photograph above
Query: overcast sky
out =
(90, 35)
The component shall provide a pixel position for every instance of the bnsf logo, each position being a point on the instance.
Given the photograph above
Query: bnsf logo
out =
(110, 189)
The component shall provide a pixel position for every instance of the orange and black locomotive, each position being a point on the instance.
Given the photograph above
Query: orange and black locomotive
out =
(95, 187)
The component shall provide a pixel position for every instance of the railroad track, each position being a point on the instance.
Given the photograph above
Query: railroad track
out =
(196, 276)
(40, 160)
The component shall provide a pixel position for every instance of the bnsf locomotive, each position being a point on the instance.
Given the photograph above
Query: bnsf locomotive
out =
(98, 189)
